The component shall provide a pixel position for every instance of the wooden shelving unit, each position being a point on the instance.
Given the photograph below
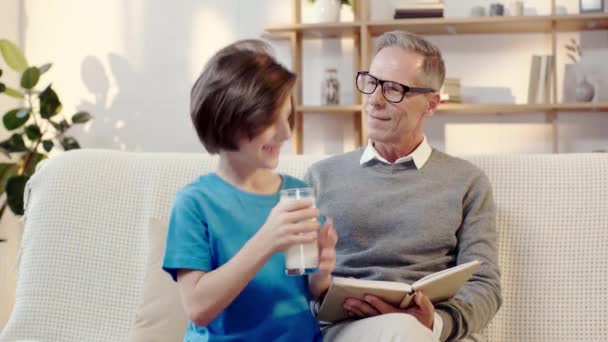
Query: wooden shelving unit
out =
(467, 108)
(361, 30)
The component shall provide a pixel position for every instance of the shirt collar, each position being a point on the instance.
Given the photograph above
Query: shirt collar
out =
(420, 155)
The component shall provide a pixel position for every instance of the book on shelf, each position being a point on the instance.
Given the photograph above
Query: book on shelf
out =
(419, 9)
(541, 79)
(437, 287)
(416, 6)
(412, 14)
(450, 91)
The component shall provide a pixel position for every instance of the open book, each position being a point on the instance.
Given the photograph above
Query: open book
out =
(437, 286)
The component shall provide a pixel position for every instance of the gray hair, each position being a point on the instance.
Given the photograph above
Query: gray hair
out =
(433, 67)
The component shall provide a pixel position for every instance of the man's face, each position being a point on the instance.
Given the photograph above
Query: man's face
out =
(395, 123)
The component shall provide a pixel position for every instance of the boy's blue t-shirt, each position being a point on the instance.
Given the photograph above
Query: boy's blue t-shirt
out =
(210, 222)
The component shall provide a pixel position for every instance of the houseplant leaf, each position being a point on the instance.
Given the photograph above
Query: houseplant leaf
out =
(48, 145)
(81, 117)
(69, 143)
(61, 126)
(30, 78)
(2, 87)
(15, 186)
(7, 170)
(45, 67)
(13, 56)
(14, 144)
(14, 93)
(15, 118)
(49, 103)
(33, 132)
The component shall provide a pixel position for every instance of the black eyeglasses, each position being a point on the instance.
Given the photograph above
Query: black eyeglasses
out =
(392, 91)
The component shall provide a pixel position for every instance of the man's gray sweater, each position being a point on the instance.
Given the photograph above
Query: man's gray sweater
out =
(398, 223)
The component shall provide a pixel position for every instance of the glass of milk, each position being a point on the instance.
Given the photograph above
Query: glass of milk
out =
(303, 258)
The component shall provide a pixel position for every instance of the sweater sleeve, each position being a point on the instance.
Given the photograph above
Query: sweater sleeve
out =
(480, 298)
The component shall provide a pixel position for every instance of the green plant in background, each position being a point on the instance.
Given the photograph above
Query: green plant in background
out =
(36, 127)
(574, 51)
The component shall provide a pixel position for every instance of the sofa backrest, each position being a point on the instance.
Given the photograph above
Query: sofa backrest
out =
(85, 242)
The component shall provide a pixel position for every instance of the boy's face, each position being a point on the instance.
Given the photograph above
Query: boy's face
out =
(263, 150)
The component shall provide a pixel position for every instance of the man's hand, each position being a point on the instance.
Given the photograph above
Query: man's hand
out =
(422, 308)
(319, 282)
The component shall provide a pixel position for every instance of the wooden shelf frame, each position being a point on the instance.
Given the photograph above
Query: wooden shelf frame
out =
(443, 26)
(362, 30)
(476, 108)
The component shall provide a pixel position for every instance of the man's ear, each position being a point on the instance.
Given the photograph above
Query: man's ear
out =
(433, 104)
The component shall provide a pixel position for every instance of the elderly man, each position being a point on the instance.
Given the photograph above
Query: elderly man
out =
(403, 210)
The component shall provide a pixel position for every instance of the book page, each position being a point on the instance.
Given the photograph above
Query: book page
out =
(443, 285)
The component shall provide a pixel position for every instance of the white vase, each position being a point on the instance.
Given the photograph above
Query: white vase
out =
(327, 10)
(577, 87)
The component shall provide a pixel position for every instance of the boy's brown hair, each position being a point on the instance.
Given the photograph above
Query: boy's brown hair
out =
(238, 94)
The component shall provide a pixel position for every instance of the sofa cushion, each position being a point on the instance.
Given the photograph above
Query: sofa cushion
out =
(160, 316)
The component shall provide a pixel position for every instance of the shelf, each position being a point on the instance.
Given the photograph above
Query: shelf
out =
(322, 30)
(434, 26)
(461, 108)
(348, 109)
(437, 26)
(581, 22)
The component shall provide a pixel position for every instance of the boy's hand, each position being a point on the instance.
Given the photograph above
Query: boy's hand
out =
(319, 282)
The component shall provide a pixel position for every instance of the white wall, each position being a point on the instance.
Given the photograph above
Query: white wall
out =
(131, 64)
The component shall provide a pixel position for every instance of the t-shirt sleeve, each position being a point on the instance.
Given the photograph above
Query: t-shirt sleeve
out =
(187, 237)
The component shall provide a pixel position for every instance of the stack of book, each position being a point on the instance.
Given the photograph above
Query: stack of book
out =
(409, 9)
(450, 92)
(541, 79)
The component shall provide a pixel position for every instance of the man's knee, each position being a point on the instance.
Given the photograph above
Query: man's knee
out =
(403, 325)
(394, 327)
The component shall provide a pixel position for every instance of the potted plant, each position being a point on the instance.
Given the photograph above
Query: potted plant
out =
(576, 86)
(328, 10)
(36, 127)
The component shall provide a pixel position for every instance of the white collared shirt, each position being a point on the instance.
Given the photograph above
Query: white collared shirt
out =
(420, 155)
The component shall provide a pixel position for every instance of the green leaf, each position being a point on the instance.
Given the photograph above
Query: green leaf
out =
(69, 143)
(45, 67)
(33, 132)
(15, 186)
(6, 153)
(14, 144)
(7, 170)
(81, 117)
(14, 93)
(2, 87)
(31, 167)
(15, 118)
(49, 103)
(30, 78)
(13, 56)
(61, 126)
(48, 145)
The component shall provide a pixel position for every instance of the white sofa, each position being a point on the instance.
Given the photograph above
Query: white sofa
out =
(84, 249)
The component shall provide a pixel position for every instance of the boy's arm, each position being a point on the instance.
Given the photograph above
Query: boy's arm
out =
(206, 294)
